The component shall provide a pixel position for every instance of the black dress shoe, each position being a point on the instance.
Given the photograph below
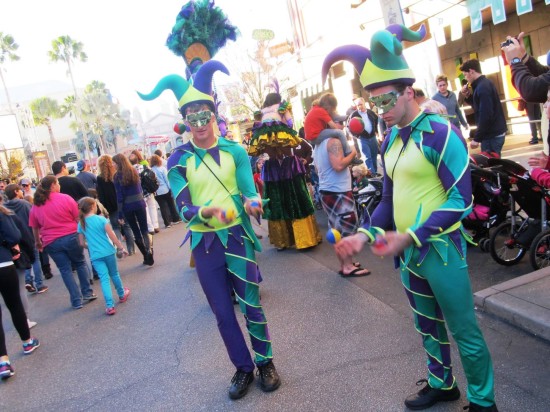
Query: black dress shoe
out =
(534, 141)
(269, 378)
(239, 384)
(428, 396)
(474, 407)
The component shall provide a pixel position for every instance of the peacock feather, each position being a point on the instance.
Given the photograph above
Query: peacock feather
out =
(201, 29)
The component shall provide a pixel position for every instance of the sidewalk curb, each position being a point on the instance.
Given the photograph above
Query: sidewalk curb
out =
(508, 302)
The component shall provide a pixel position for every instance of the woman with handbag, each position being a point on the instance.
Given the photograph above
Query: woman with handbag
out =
(132, 206)
(10, 237)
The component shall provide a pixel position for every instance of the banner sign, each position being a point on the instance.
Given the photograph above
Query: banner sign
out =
(476, 6)
(391, 11)
(524, 6)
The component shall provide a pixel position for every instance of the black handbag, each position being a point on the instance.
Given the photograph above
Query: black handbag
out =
(23, 262)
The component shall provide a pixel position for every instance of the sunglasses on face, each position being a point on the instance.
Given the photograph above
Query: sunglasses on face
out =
(199, 119)
(385, 102)
(25, 185)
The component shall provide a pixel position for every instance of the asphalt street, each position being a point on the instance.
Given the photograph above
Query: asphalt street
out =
(339, 345)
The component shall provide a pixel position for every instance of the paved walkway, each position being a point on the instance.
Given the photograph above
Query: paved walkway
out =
(337, 347)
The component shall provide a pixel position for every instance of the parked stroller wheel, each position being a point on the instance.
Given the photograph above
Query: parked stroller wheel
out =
(484, 244)
(504, 248)
(539, 254)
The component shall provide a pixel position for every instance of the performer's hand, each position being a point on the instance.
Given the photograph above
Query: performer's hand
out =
(38, 245)
(393, 244)
(254, 208)
(474, 144)
(350, 245)
(209, 212)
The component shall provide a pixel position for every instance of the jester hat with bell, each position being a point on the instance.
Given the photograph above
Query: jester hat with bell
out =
(196, 90)
(384, 63)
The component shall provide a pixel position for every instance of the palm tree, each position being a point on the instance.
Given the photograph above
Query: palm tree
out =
(67, 50)
(8, 46)
(101, 115)
(44, 109)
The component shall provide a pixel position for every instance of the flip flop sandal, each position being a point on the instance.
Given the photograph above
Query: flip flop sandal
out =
(355, 273)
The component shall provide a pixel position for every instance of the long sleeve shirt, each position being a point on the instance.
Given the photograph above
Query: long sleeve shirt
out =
(531, 80)
(427, 186)
(451, 104)
(219, 176)
(129, 197)
(488, 111)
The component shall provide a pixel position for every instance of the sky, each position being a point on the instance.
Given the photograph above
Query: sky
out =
(124, 40)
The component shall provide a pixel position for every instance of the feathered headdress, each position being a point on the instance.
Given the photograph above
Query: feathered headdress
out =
(384, 63)
(201, 29)
(197, 90)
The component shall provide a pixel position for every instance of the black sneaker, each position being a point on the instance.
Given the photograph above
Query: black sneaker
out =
(269, 378)
(240, 383)
(429, 396)
(30, 288)
(93, 296)
(356, 161)
(534, 141)
(474, 407)
(48, 275)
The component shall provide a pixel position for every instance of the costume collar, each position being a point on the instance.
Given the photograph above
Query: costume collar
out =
(214, 151)
(421, 123)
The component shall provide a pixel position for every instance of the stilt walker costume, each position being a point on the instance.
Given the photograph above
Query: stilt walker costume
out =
(290, 212)
(224, 252)
(427, 192)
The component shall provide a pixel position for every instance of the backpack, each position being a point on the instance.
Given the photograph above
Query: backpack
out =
(149, 182)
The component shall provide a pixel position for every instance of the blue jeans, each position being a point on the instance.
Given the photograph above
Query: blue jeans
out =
(493, 144)
(107, 270)
(37, 269)
(123, 229)
(66, 251)
(369, 147)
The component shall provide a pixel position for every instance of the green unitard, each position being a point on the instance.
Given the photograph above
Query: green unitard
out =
(427, 192)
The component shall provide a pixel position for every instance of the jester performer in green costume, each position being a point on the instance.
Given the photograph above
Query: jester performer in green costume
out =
(214, 191)
(427, 192)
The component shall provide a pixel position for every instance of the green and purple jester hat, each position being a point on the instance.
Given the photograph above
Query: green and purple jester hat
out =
(196, 90)
(384, 63)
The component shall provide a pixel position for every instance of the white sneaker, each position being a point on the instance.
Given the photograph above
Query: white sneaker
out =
(31, 324)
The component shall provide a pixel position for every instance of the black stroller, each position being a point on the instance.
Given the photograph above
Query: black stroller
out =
(526, 228)
(490, 189)
(368, 198)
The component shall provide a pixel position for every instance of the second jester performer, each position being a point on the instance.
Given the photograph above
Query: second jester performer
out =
(211, 176)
